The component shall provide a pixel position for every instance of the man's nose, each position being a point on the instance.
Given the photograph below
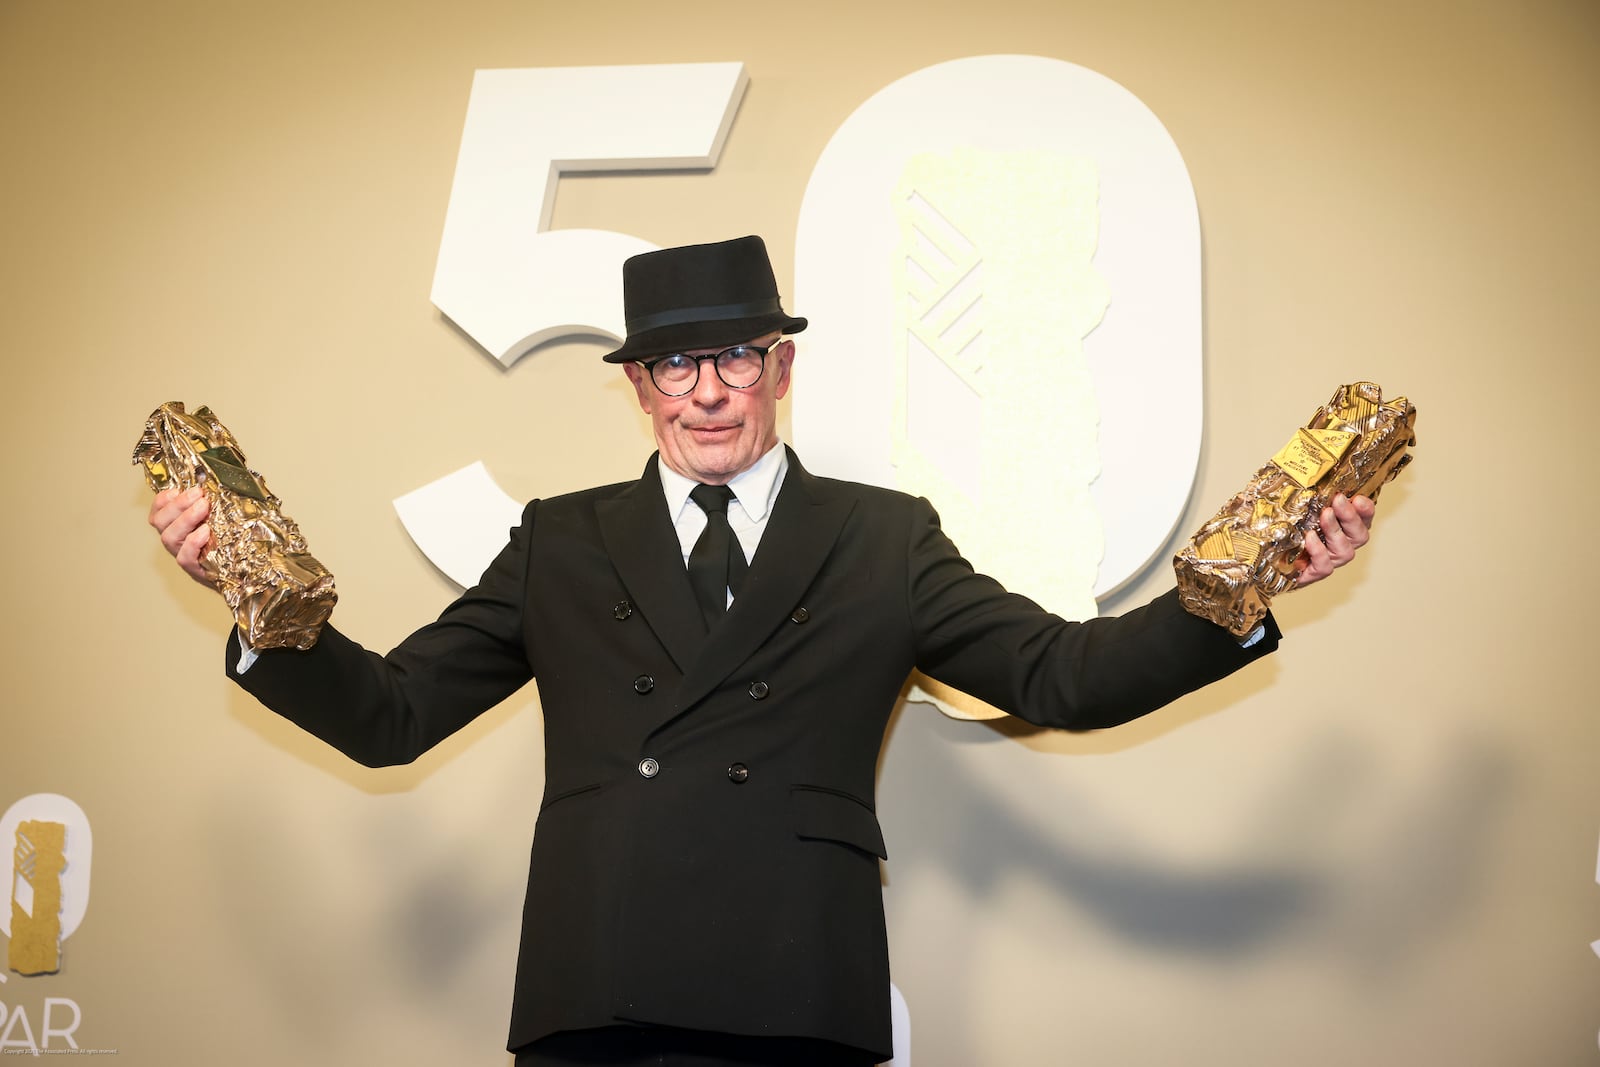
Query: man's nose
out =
(709, 391)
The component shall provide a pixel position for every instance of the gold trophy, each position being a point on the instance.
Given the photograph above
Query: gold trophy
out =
(1245, 554)
(279, 594)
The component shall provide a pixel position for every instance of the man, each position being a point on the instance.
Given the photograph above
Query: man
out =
(716, 668)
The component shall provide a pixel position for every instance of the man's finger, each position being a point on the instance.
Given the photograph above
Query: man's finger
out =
(1351, 525)
(170, 504)
(1341, 547)
(1359, 528)
(191, 555)
(193, 548)
(179, 528)
(1315, 562)
(163, 508)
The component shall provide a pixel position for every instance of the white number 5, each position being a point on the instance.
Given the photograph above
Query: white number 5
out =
(501, 277)
(509, 283)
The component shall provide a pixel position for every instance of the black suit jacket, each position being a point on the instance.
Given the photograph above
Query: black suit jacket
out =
(706, 854)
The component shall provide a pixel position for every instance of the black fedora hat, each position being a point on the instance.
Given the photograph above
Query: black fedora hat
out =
(699, 296)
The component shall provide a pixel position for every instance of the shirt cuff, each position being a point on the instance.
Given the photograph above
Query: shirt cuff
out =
(247, 655)
(1244, 642)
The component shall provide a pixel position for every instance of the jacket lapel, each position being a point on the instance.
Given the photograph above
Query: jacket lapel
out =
(804, 525)
(643, 547)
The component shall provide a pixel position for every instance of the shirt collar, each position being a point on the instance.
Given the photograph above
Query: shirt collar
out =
(756, 489)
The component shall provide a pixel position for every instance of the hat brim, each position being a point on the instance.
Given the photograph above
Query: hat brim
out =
(688, 336)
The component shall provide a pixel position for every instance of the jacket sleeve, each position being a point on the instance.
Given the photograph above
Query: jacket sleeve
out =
(970, 633)
(387, 710)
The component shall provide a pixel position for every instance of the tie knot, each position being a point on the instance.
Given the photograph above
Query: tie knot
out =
(711, 498)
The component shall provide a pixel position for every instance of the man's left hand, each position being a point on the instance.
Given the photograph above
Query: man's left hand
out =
(1346, 526)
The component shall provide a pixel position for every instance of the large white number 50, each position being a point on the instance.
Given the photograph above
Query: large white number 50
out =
(509, 283)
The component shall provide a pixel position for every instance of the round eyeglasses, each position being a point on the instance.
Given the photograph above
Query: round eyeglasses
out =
(739, 367)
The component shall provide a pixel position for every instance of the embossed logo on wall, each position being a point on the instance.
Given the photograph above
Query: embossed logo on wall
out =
(39, 856)
(47, 862)
(996, 291)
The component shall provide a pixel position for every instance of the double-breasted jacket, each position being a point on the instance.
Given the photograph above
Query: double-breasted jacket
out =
(706, 852)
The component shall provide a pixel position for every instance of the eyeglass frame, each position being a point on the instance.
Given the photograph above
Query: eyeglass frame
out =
(715, 357)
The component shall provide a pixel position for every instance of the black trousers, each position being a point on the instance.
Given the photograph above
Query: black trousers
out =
(626, 1046)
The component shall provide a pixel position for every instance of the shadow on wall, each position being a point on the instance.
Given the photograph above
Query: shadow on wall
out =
(292, 895)
(1365, 861)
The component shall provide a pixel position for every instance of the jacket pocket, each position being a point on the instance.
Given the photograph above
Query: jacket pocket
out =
(567, 794)
(818, 813)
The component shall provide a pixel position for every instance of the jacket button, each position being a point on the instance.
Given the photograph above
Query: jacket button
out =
(649, 768)
(622, 610)
(800, 615)
(643, 684)
(737, 773)
(759, 690)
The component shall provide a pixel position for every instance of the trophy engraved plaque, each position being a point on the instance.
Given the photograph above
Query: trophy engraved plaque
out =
(279, 593)
(1245, 554)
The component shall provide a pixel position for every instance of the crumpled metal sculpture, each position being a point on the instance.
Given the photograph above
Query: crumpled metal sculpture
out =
(1245, 554)
(279, 593)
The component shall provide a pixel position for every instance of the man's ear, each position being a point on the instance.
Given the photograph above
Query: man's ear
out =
(785, 357)
(642, 386)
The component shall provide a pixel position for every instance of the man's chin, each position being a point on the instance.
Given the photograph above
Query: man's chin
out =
(715, 465)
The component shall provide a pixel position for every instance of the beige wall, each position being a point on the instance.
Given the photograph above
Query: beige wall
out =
(1378, 847)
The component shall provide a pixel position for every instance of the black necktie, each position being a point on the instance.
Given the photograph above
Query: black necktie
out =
(716, 564)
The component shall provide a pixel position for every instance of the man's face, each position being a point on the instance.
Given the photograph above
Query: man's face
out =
(713, 433)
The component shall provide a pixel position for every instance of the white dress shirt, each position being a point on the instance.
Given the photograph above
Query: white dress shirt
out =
(754, 493)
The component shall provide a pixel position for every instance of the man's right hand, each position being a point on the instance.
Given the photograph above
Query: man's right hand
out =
(180, 518)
